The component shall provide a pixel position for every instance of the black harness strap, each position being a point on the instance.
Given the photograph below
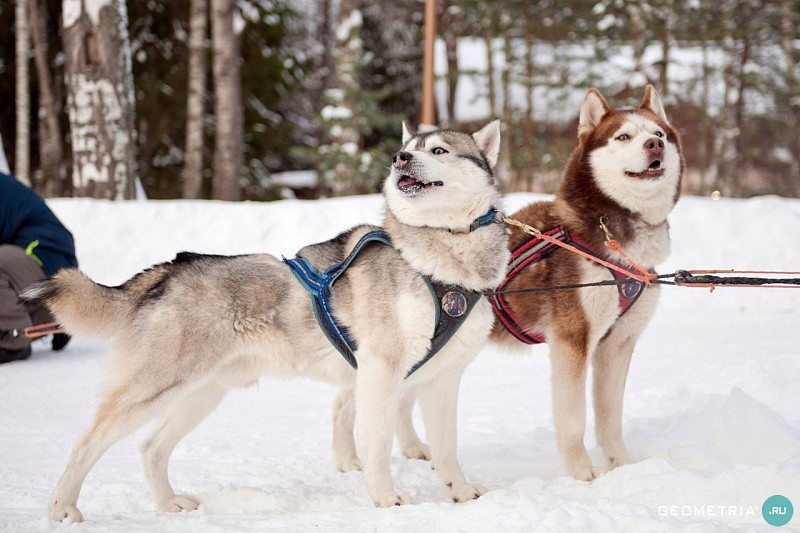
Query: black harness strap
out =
(456, 302)
(453, 303)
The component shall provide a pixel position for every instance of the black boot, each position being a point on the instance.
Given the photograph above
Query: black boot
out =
(14, 355)
(59, 341)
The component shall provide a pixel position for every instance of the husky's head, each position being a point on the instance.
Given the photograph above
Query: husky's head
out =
(444, 178)
(634, 154)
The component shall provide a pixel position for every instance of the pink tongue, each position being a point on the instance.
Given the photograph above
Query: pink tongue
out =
(405, 181)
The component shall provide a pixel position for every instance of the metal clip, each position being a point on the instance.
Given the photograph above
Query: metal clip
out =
(604, 227)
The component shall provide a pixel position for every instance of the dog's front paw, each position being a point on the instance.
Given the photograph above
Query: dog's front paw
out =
(178, 503)
(349, 465)
(616, 460)
(59, 512)
(390, 499)
(586, 472)
(418, 451)
(466, 492)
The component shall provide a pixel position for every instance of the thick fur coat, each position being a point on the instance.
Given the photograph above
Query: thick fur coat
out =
(627, 171)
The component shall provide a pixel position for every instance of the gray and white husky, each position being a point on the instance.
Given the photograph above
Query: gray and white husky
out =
(187, 331)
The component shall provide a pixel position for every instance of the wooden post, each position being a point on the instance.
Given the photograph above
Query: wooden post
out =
(428, 115)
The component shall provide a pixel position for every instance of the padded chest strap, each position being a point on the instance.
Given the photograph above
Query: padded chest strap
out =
(452, 303)
(531, 252)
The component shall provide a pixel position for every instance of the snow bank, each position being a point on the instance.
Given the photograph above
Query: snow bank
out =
(711, 410)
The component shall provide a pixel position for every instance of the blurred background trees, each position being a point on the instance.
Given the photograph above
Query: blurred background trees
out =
(323, 85)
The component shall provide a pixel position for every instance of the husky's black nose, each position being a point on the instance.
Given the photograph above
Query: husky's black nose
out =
(401, 159)
(654, 146)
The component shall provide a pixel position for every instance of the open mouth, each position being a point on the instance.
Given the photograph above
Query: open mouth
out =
(412, 186)
(652, 172)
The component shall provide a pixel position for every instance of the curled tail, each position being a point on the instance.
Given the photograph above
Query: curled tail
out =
(88, 309)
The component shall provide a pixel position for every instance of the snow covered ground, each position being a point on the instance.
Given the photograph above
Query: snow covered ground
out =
(711, 412)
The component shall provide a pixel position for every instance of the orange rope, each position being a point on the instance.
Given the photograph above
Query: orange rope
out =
(713, 286)
(614, 246)
(644, 276)
(34, 332)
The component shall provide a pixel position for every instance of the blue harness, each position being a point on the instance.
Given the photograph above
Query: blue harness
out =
(452, 302)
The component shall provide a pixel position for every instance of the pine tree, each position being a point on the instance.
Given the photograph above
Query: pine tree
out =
(374, 93)
(273, 111)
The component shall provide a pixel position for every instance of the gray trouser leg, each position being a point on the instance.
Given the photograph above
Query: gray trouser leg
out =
(17, 271)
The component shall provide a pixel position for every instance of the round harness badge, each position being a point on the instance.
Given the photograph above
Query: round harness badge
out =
(454, 304)
(631, 288)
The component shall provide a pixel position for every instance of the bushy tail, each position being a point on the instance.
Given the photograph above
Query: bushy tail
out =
(83, 307)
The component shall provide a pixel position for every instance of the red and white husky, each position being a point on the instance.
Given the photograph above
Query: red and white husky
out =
(625, 172)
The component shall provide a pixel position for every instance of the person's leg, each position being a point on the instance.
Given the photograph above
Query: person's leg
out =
(17, 271)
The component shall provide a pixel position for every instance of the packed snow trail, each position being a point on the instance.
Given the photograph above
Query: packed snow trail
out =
(711, 408)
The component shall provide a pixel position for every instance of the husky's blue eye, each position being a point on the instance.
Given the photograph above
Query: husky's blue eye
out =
(623, 137)
(438, 151)
(659, 134)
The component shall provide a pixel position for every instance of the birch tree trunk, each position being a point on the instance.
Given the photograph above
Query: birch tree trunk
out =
(100, 98)
(638, 33)
(22, 156)
(726, 166)
(347, 139)
(451, 23)
(706, 151)
(791, 185)
(195, 100)
(323, 73)
(228, 134)
(505, 166)
(487, 40)
(51, 153)
(739, 118)
(528, 178)
(666, 35)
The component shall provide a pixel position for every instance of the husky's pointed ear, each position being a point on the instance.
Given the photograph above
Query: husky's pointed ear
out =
(488, 140)
(408, 132)
(652, 101)
(593, 108)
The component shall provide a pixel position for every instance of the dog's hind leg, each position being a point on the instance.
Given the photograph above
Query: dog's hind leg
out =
(181, 417)
(410, 443)
(377, 391)
(438, 400)
(117, 416)
(344, 421)
(344, 446)
(569, 360)
(611, 362)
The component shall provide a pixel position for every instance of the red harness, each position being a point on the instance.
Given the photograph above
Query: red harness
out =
(534, 250)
